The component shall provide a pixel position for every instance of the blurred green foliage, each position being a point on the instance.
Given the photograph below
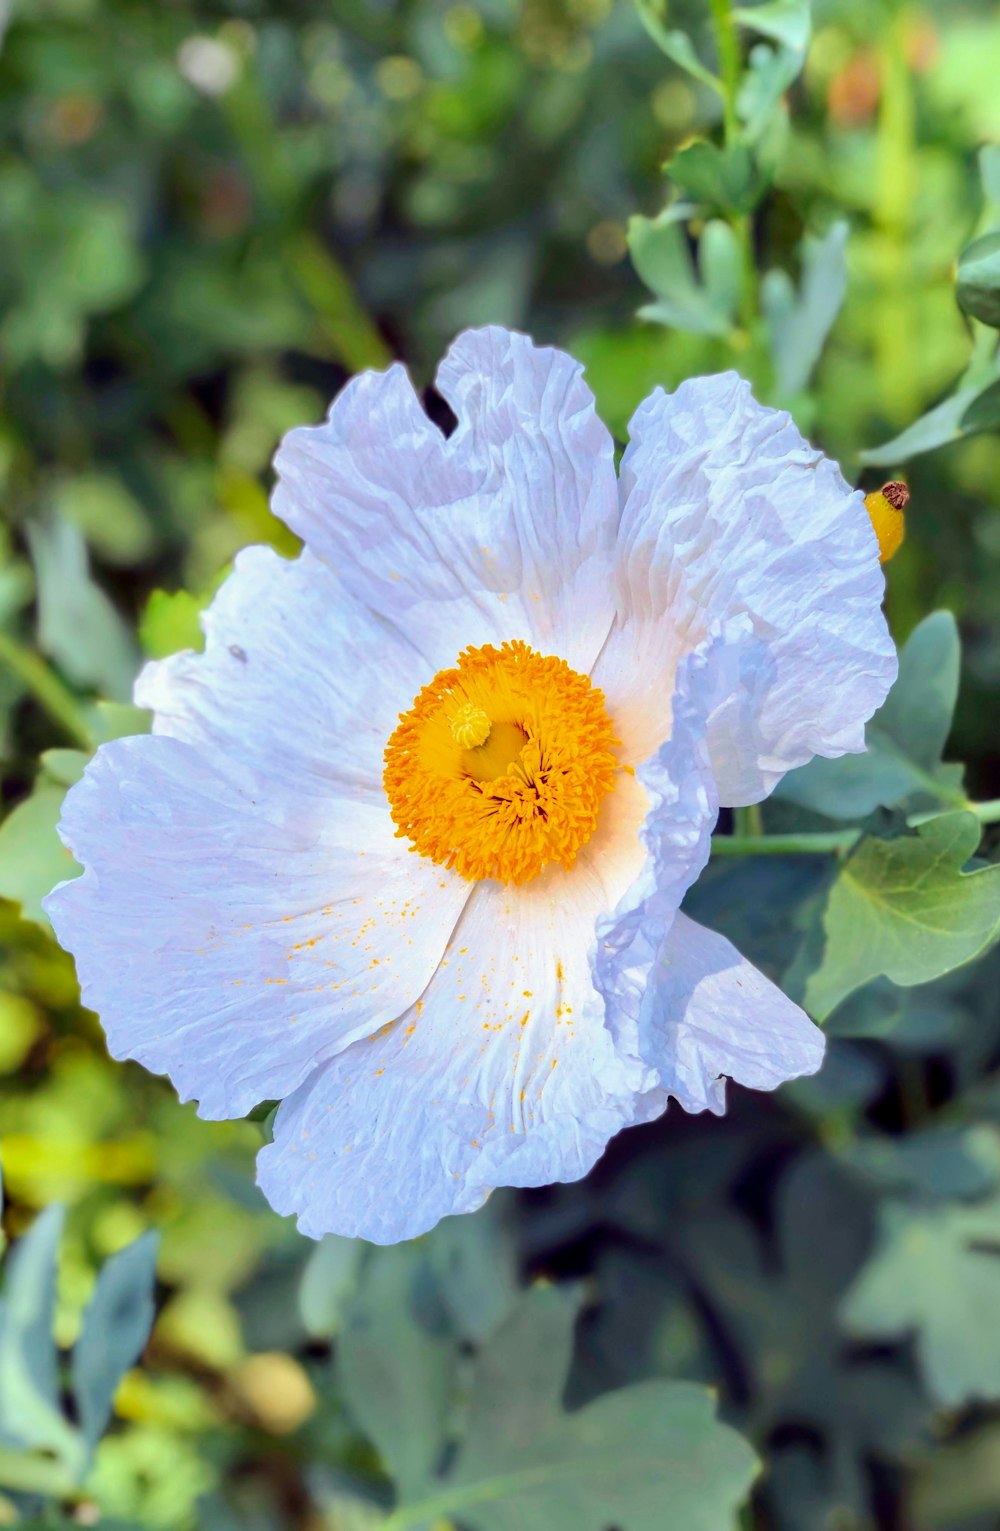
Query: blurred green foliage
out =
(210, 216)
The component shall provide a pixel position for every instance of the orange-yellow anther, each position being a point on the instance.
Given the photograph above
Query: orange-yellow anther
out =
(887, 507)
(500, 766)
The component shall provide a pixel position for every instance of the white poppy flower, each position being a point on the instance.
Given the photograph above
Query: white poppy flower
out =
(406, 845)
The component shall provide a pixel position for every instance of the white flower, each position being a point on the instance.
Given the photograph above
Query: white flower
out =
(548, 680)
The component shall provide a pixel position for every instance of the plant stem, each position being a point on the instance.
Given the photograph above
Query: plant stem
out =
(752, 842)
(47, 689)
(729, 64)
(748, 822)
(728, 46)
(837, 840)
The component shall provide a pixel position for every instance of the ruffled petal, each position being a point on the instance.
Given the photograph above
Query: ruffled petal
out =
(298, 681)
(707, 1014)
(503, 530)
(675, 837)
(231, 933)
(727, 512)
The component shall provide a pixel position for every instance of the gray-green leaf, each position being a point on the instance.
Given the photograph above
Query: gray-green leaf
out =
(724, 179)
(29, 1377)
(799, 322)
(395, 1375)
(32, 857)
(662, 257)
(906, 909)
(635, 1459)
(950, 420)
(785, 21)
(978, 282)
(937, 1271)
(116, 1325)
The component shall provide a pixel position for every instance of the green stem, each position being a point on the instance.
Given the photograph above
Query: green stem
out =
(748, 822)
(837, 840)
(729, 64)
(730, 67)
(822, 842)
(47, 689)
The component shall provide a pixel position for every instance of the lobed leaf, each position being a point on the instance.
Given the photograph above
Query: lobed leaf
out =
(626, 1459)
(906, 909)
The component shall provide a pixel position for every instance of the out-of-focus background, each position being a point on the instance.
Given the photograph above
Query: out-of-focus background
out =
(209, 217)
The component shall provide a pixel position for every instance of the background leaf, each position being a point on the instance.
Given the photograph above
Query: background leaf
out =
(116, 1325)
(397, 1377)
(30, 1414)
(616, 1461)
(937, 1271)
(905, 908)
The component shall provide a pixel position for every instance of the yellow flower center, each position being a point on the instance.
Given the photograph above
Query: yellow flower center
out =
(499, 767)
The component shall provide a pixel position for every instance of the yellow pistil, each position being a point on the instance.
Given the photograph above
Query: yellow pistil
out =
(500, 766)
(470, 726)
(886, 507)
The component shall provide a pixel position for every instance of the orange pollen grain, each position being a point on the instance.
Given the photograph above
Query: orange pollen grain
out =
(529, 794)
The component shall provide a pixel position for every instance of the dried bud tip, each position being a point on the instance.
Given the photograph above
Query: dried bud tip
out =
(897, 494)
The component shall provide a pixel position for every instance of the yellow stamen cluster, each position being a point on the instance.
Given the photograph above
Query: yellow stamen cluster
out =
(499, 767)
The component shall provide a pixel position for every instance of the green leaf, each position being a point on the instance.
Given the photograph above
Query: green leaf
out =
(785, 21)
(948, 421)
(799, 322)
(169, 622)
(760, 102)
(474, 1264)
(905, 739)
(662, 257)
(936, 1271)
(329, 1280)
(32, 856)
(723, 179)
(677, 46)
(112, 520)
(983, 414)
(396, 1376)
(721, 267)
(64, 767)
(78, 626)
(906, 909)
(939, 1163)
(116, 1326)
(29, 1377)
(978, 282)
(617, 1461)
(119, 720)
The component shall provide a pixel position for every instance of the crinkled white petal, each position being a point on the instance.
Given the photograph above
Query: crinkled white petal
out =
(708, 1014)
(503, 1074)
(298, 681)
(246, 908)
(727, 512)
(506, 529)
